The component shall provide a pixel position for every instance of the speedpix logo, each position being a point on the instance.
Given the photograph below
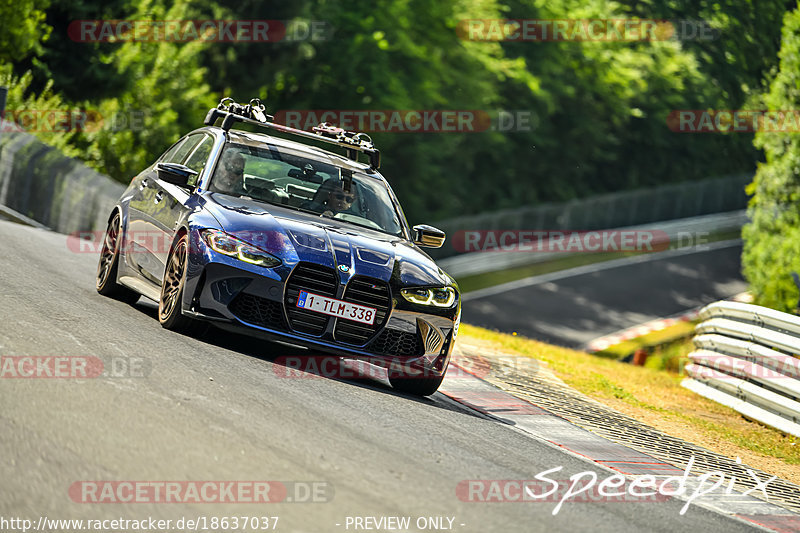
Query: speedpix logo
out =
(589, 487)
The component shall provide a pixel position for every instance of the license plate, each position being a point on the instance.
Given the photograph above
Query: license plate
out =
(337, 308)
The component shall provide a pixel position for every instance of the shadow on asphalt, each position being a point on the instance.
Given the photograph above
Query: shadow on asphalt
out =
(278, 353)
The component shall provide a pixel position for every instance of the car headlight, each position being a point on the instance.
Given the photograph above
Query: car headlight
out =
(439, 297)
(226, 244)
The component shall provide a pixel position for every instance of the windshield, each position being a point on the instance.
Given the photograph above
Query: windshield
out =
(280, 176)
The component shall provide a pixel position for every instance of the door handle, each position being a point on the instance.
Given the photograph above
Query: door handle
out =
(159, 196)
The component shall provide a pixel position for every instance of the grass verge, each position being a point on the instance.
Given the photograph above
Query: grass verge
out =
(656, 398)
(655, 343)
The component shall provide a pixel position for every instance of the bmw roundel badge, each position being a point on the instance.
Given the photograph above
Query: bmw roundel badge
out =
(344, 268)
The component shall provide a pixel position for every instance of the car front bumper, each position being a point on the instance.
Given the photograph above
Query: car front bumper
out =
(253, 300)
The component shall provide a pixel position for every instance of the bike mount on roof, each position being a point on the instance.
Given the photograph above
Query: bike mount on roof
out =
(254, 113)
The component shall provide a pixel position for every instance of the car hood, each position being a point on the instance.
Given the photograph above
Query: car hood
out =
(295, 236)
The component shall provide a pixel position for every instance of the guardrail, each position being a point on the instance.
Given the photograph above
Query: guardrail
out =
(674, 231)
(619, 209)
(747, 357)
(63, 194)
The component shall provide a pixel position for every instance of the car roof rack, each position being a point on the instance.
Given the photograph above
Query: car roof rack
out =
(253, 113)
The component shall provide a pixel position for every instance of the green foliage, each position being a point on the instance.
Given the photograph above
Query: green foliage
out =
(24, 28)
(162, 90)
(599, 108)
(772, 240)
(165, 95)
(80, 70)
(21, 98)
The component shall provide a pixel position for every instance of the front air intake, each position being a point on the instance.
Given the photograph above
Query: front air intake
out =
(311, 278)
(372, 293)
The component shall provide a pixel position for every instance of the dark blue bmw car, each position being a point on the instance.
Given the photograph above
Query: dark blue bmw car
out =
(281, 239)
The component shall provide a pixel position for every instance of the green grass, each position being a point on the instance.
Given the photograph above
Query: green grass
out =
(490, 279)
(655, 397)
(655, 341)
(671, 357)
(651, 393)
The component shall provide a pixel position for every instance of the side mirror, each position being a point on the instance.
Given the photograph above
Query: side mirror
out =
(428, 236)
(175, 173)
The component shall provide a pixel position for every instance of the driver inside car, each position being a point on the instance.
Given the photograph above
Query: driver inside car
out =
(229, 176)
(331, 199)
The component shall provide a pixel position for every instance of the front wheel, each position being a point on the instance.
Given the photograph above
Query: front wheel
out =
(169, 304)
(106, 279)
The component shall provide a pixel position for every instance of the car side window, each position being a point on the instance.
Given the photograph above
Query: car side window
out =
(199, 157)
(186, 148)
(168, 155)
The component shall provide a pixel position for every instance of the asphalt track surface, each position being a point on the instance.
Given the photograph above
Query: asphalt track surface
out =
(574, 309)
(216, 408)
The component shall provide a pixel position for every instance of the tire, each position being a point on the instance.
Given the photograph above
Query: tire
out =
(169, 304)
(417, 386)
(108, 265)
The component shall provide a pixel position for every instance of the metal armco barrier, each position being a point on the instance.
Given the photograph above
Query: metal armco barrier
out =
(620, 209)
(748, 358)
(475, 263)
(62, 193)
(3, 96)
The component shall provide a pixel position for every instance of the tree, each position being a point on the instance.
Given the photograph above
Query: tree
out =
(24, 28)
(599, 109)
(772, 239)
